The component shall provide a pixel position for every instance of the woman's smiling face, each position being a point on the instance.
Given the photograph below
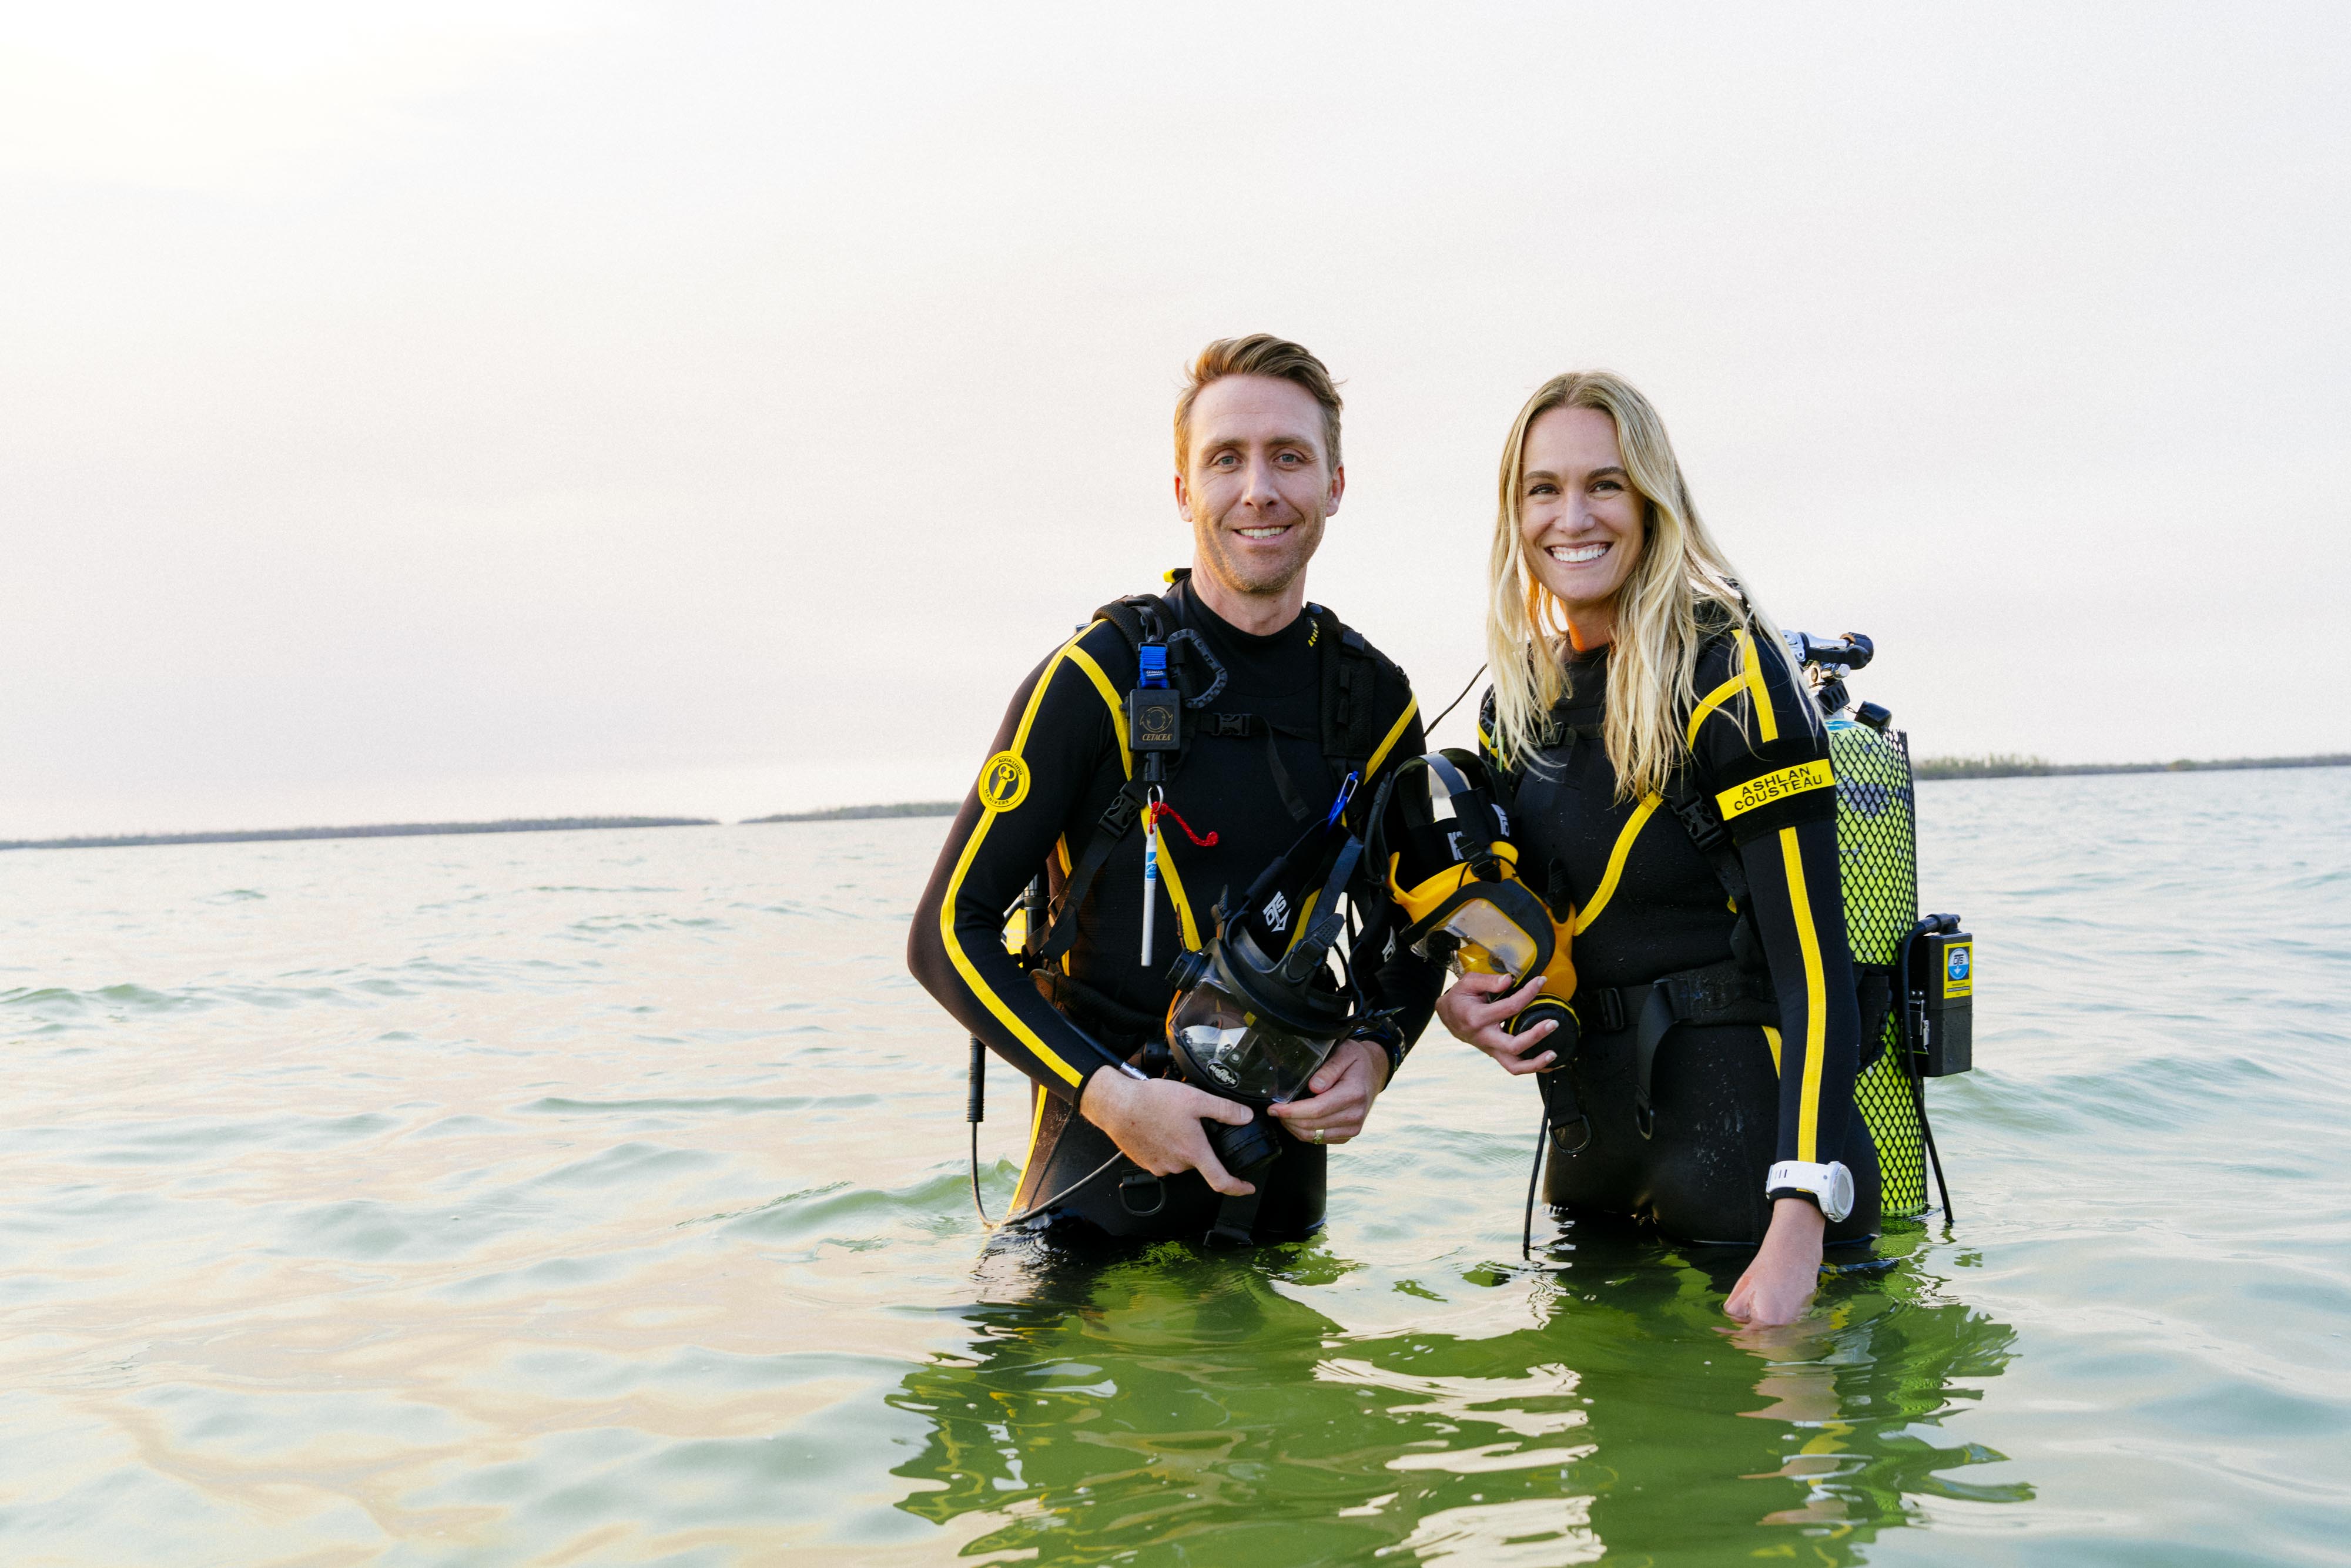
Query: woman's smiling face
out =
(1580, 517)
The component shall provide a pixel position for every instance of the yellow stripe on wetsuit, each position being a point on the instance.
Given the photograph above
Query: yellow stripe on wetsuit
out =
(1616, 859)
(1711, 701)
(1084, 661)
(1750, 680)
(1816, 1002)
(962, 960)
(1767, 723)
(1175, 896)
(1396, 733)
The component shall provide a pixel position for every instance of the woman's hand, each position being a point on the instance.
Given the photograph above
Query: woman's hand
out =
(1342, 1089)
(1475, 1010)
(1778, 1284)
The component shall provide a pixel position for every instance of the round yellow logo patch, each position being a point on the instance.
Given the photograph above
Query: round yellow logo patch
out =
(1004, 782)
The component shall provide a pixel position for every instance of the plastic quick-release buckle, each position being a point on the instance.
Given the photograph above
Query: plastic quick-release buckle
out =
(1704, 825)
(1611, 1008)
(1119, 814)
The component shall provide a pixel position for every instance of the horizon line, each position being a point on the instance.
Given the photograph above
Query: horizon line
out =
(1929, 769)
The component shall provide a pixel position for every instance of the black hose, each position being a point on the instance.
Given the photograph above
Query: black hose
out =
(1527, 1230)
(986, 1223)
(1916, 1074)
(976, 1111)
(1943, 1185)
(1430, 728)
(1042, 1204)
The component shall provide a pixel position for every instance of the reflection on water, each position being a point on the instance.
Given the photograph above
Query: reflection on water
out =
(600, 1198)
(1133, 1405)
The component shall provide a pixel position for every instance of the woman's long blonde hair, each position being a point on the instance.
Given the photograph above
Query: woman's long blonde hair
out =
(1652, 667)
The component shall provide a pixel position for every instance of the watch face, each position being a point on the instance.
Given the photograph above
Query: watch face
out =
(1840, 1193)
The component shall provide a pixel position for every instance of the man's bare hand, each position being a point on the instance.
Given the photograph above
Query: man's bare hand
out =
(1477, 1007)
(1155, 1123)
(1778, 1284)
(1342, 1090)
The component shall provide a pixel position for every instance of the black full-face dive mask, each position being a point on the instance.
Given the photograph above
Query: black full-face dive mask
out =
(1251, 1020)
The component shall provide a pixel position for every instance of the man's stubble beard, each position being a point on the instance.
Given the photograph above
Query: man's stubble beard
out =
(1210, 537)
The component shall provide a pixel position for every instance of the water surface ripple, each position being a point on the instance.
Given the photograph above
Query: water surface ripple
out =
(598, 1197)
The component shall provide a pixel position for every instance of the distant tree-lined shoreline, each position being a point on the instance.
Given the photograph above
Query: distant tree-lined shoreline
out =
(863, 813)
(1999, 765)
(380, 830)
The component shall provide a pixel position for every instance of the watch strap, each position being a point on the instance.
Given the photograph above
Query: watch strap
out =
(1829, 1185)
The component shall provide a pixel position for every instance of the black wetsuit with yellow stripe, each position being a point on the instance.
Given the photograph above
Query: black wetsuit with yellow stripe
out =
(1060, 758)
(1729, 1098)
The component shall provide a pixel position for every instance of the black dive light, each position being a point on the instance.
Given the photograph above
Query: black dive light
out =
(1942, 966)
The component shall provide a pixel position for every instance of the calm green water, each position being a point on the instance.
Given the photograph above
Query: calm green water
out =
(600, 1198)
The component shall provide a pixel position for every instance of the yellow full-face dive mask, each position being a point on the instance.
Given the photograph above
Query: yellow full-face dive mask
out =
(1452, 871)
(1487, 924)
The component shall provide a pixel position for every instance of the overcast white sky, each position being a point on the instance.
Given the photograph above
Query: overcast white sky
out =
(461, 410)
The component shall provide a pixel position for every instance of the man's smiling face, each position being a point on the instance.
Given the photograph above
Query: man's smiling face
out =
(1257, 482)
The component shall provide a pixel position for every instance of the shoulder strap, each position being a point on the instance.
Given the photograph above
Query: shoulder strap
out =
(1350, 683)
(1124, 809)
(1350, 724)
(1699, 818)
(1135, 616)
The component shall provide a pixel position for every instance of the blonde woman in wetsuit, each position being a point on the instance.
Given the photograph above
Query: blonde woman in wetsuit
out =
(1670, 786)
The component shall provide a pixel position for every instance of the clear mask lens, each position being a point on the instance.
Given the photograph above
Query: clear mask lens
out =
(1241, 1050)
(1489, 941)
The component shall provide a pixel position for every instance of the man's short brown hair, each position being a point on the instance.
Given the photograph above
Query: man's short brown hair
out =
(1258, 354)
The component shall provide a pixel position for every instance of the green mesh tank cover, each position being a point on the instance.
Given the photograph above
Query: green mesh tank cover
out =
(1878, 853)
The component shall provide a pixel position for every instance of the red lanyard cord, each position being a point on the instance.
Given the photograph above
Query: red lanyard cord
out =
(1162, 809)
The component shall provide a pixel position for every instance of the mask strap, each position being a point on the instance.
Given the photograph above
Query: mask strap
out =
(1473, 834)
(1315, 943)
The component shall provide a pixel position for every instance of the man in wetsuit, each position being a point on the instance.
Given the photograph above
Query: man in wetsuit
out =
(1284, 705)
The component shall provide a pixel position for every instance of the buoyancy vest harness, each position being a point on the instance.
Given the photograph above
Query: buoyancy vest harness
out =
(1735, 990)
(1159, 730)
(1176, 676)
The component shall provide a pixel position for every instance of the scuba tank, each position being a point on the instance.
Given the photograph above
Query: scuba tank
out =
(1916, 975)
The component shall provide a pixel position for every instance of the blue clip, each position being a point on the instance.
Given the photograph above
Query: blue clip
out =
(1154, 665)
(1346, 792)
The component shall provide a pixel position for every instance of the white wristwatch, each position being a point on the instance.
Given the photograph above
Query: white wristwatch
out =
(1830, 1185)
